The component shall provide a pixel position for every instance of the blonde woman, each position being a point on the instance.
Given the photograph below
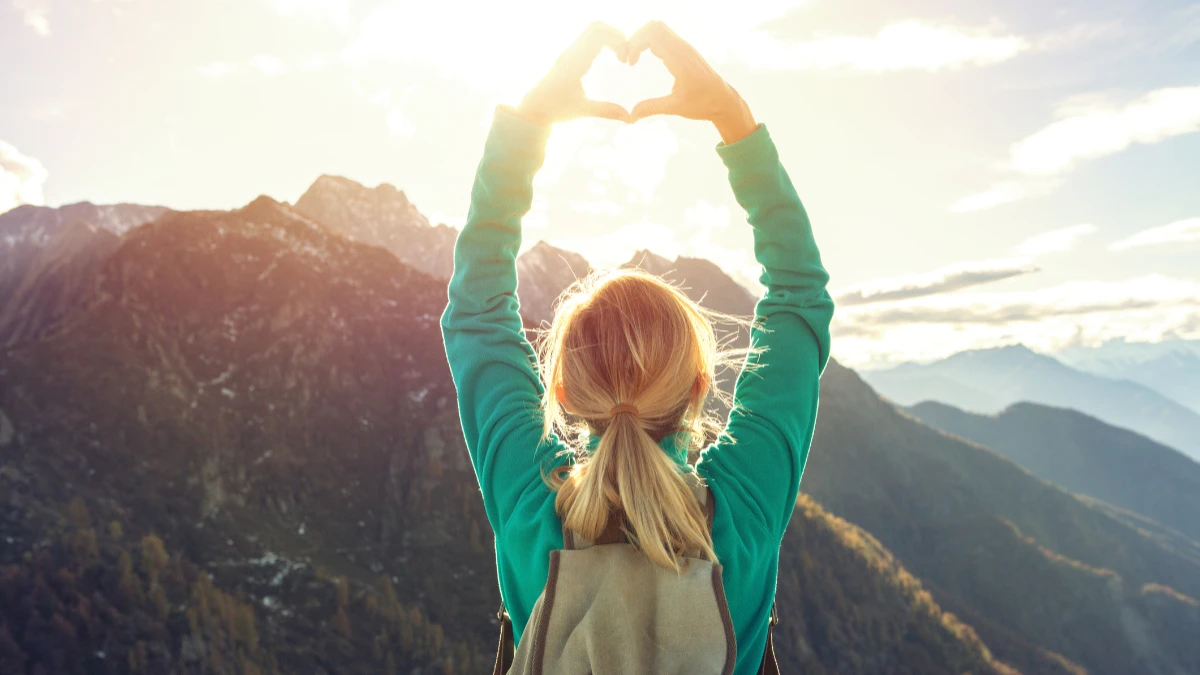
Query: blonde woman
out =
(595, 436)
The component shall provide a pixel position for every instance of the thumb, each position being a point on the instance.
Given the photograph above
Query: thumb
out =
(604, 109)
(665, 105)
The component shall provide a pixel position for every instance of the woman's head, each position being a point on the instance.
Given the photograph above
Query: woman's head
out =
(628, 337)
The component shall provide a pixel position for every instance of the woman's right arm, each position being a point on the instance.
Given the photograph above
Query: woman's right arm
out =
(756, 464)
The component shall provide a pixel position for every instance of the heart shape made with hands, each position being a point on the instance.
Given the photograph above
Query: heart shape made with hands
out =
(610, 80)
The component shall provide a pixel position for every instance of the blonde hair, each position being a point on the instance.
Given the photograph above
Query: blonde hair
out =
(626, 336)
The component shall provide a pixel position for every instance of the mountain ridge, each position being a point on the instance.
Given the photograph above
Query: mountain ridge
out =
(1016, 373)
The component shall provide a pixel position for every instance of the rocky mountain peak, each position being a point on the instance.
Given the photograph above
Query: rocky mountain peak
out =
(382, 216)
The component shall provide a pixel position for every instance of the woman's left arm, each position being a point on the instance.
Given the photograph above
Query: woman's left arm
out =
(493, 364)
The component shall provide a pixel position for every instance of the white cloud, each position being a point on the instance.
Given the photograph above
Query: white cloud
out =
(945, 280)
(1088, 128)
(1147, 308)
(1004, 193)
(1055, 241)
(35, 13)
(908, 45)
(21, 178)
(1094, 130)
(1179, 232)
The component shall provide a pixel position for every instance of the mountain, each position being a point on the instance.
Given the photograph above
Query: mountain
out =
(56, 281)
(25, 230)
(701, 279)
(543, 273)
(382, 216)
(1036, 571)
(988, 380)
(1085, 455)
(1170, 367)
(243, 455)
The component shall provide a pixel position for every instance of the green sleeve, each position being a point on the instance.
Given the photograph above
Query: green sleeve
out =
(756, 463)
(491, 361)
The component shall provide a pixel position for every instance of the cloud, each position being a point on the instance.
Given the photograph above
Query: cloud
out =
(35, 13)
(946, 280)
(1148, 308)
(908, 45)
(1095, 130)
(1054, 241)
(21, 178)
(1004, 193)
(1178, 232)
(1088, 128)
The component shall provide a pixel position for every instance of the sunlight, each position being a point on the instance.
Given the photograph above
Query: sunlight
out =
(499, 50)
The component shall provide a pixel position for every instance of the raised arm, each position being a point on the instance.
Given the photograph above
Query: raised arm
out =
(756, 464)
(760, 457)
(492, 363)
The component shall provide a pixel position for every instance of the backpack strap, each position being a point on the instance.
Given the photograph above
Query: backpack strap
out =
(505, 650)
(770, 665)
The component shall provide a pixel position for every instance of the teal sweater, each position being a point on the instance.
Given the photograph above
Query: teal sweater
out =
(755, 481)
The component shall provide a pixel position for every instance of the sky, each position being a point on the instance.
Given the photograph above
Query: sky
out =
(977, 174)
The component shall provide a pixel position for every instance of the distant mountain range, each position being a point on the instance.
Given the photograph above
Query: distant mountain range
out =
(1171, 367)
(1084, 455)
(989, 380)
(34, 242)
(269, 396)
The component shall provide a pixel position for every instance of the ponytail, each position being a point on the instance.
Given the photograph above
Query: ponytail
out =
(629, 473)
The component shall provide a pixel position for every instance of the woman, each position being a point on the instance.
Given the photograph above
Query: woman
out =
(629, 361)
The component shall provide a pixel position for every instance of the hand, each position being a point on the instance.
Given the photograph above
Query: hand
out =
(699, 93)
(559, 95)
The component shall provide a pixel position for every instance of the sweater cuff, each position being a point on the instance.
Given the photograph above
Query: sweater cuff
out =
(756, 151)
(510, 130)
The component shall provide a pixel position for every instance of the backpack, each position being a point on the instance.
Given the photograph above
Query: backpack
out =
(654, 621)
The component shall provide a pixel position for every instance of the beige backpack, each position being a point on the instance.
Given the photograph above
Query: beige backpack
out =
(607, 610)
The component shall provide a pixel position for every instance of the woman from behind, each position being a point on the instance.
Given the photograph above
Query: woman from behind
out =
(597, 435)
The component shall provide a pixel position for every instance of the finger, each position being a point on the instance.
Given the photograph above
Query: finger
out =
(660, 40)
(664, 105)
(605, 110)
(578, 58)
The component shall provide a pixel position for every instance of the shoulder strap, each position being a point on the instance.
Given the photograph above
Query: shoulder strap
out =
(770, 665)
(505, 650)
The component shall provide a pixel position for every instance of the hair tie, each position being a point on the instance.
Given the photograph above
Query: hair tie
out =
(624, 407)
